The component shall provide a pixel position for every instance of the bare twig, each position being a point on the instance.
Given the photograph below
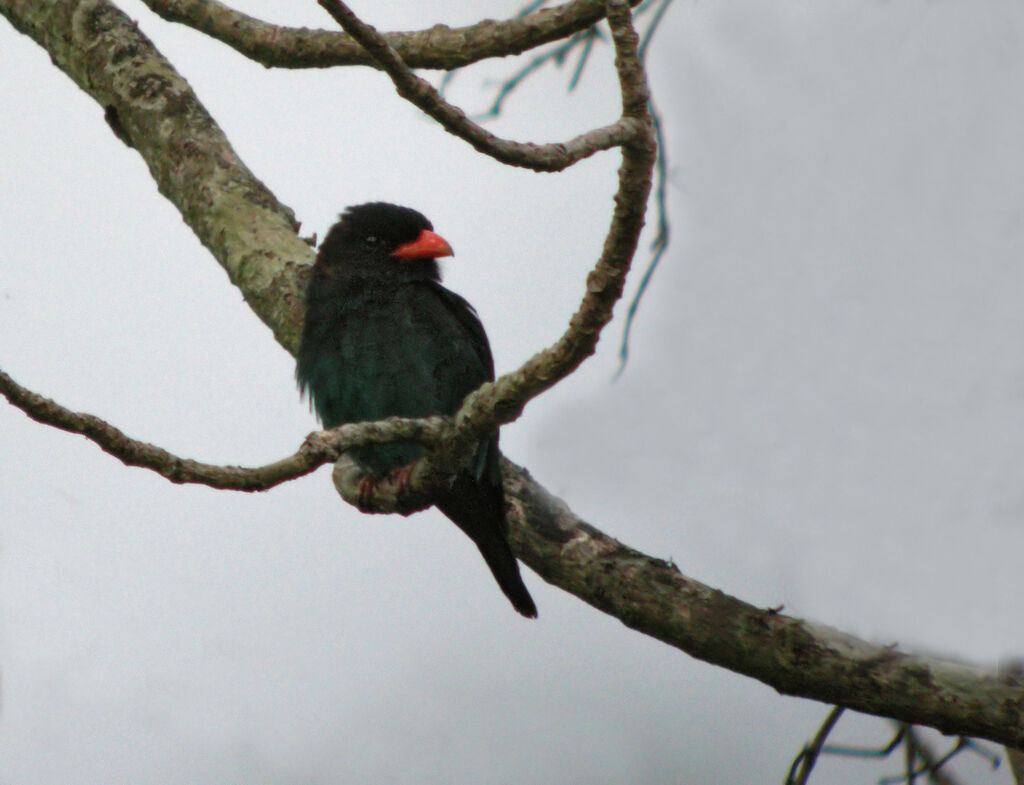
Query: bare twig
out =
(658, 247)
(542, 158)
(583, 40)
(605, 282)
(558, 55)
(932, 765)
(439, 47)
(320, 447)
(915, 748)
(661, 237)
(919, 759)
(800, 771)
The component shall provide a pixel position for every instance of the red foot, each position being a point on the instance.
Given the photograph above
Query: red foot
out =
(367, 487)
(369, 484)
(401, 477)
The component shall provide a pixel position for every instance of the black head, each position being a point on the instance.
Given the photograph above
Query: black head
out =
(378, 238)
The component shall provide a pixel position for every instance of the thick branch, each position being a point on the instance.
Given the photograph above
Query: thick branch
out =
(542, 158)
(440, 47)
(247, 230)
(793, 656)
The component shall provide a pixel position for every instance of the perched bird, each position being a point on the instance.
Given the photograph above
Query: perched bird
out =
(384, 338)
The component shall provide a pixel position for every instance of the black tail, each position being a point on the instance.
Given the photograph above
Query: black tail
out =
(478, 508)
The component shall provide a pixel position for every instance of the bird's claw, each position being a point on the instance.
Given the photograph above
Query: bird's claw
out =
(401, 477)
(367, 489)
(369, 486)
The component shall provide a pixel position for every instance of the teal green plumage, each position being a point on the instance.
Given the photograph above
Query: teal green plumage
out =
(383, 338)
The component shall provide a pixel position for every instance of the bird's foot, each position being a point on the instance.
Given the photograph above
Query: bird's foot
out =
(367, 490)
(401, 476)
(393, 484)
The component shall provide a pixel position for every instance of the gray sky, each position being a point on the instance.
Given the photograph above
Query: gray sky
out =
(825, 408)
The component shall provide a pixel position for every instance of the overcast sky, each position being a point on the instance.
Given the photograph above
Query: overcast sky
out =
(824, 408)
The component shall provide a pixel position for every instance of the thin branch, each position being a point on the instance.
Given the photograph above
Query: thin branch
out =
(932, 765)
(502, 401)
(552, 157)
(800, 771)
(658, 246)
(556, 54)
(320, 447)
(661, 238)
(652, 28)
(605, 282)
(559, 54)
(870, 752)
(583, 40)
(440, 47)
(914, 748)
(506, 87)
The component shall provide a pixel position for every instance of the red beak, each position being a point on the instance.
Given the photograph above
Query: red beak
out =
(427, 246)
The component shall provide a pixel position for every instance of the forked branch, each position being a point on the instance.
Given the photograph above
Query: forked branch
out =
(439, 47)
(540, 157)
(319, 448)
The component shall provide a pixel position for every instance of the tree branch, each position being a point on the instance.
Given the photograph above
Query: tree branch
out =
(542, 158)
(648, 594)
(502, 401)
(252, 235)
(320, 447)
(793, 656)
(439, 47)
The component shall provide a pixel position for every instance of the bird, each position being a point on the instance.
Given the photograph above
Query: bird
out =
(382, 337)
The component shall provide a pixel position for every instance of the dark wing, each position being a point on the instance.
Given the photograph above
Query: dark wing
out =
(412, 351)
(470, 326)
(467, 318)
(475, 502)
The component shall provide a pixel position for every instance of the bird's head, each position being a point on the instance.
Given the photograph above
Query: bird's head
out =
(378, 239)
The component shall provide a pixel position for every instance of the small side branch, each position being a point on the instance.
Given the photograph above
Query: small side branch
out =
(800, 771)
(319, 448)
(502, 401)
(440, 47)
(552, 157)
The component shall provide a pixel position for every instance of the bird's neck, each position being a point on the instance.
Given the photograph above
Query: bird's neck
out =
(352, 284)
(393, 274)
